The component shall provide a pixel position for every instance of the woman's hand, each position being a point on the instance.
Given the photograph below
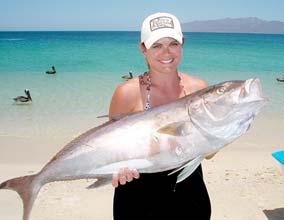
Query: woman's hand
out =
(123, 176)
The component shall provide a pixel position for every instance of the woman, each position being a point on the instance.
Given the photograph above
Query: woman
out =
(156, 195)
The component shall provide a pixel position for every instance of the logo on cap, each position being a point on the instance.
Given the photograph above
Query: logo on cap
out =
(161, 22)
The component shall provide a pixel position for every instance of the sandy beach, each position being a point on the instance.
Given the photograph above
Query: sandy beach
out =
(244, 181)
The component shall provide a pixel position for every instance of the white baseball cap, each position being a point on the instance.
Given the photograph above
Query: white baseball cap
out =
(159, 25)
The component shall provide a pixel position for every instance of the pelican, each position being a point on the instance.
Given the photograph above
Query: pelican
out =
(128, 76)
(280, 79)
(52, 71)
(27, 98)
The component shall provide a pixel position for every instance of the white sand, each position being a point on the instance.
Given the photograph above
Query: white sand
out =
(244, 181)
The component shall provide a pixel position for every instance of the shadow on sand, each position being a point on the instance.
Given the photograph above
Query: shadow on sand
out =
(274, 214)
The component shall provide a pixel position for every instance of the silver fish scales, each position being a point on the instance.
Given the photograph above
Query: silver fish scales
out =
(177, 136)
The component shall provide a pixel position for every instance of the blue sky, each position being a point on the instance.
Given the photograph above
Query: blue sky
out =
(124, 14)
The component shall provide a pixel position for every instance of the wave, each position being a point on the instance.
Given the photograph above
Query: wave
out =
(11, 39)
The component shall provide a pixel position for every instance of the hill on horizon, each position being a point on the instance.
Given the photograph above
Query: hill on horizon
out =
(235, 25)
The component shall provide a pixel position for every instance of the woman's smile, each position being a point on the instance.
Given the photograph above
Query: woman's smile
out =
(167, 61)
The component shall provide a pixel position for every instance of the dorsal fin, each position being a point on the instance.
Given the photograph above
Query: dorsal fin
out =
(117, 117)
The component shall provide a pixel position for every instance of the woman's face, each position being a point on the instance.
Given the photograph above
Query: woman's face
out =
(164, 55)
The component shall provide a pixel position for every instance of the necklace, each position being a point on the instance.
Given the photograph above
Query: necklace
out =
(149, 84)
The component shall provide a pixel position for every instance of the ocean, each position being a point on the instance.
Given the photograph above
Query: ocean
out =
(90, 65)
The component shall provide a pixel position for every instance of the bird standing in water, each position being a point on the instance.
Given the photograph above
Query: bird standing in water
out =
(280, 79)
(52, 71)
(26, 98)
(129, 76)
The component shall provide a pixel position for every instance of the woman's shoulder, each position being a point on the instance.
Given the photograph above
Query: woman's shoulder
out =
(193, 83)
(128, 87)
(125, 96)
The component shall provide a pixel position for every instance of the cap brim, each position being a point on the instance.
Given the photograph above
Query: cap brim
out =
(161, 34)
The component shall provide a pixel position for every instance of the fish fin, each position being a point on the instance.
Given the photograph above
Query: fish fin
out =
(189, 168)
(27, 188)
(100, 182)
(117, 117)
(183, 166)
(131, 164)
(103, 116)
(176, 129)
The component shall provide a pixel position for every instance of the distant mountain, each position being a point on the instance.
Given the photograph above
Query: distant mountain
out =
(236, 25)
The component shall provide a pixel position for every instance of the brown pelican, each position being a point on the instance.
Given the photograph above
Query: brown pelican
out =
(27, 98)
(128, 76)
(52, 71)
(280, 79)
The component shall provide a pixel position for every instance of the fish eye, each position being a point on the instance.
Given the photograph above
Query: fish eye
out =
(220, 90)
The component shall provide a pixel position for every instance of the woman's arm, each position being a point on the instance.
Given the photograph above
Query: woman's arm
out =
(123, 101)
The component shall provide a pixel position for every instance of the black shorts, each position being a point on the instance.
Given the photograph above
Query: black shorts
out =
(157, 196)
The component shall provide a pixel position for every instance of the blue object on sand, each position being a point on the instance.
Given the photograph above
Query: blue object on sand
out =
(279, 155)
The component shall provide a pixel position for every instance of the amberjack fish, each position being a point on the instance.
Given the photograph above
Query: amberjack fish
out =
(174, 136)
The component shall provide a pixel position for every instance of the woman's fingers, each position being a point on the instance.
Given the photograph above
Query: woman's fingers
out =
(123, 176)
(135, 174)
(115, 180)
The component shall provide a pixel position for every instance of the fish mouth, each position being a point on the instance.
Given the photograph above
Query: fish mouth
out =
(252, 89)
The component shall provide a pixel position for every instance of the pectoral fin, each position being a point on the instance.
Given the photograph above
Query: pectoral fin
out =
(188, 168)
(176, 129)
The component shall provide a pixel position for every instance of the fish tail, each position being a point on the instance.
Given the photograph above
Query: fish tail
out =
(27, 188)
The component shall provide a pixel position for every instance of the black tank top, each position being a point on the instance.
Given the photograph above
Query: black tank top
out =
(157, 196)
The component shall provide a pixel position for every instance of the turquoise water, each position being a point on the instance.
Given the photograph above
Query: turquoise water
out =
(90, 65)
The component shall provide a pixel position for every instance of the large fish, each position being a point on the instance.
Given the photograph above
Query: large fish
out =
(176, 136)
